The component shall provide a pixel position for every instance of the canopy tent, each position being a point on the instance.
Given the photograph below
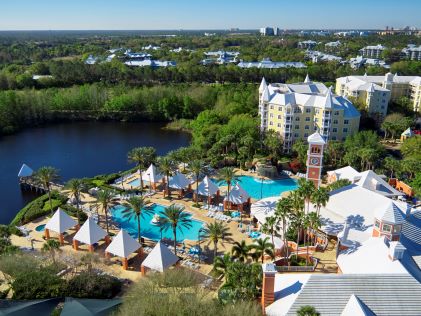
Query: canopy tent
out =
(237, 195)
(264, 208)
(90, 233)
(59, 223)
(25, 171)
(152, 175)
(122, 246)
(159, 259)
(89, 307)
(30, 307)
(179, 181)
(207, 188)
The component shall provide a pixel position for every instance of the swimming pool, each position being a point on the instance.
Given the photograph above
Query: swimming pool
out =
(151, 231)
(40, 228)
(135, 183)
(262, 189)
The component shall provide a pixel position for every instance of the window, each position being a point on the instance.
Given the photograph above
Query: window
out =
(271, 107)
(307, 119)
(297, 118)
(316, 119)
(271, 115)
(377, 224)
(280, 108)
(335, 122)
(279, 124)
(270, 123)
(308, 110)
(334, 130)
(307, 127)
(297, 126)
(346, 122)
(296, 135)
(315, 150)
(333, 137)
(305, 134)
(279, 117)
(317, 111)
(345, 130)
(397, 228)
(387, 228)
(315, 127)
(336, 113)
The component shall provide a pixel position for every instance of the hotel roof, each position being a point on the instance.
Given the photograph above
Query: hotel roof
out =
(347, 172)
(373, 182)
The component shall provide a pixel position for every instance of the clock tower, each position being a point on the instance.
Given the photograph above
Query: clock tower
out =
(316, 145)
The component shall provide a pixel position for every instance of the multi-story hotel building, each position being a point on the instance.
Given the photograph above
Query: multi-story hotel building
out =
(372, 51)
(377, 91)
(296, 111)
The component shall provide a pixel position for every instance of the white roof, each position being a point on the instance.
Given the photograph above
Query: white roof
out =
(123, 245)
(391, 214)
(179, 181)
(207, 187)
(316, 138)
(407, 132)
(160, 258)
(347, 172)
(25, 171)
(90, 232)
(355, 307)
(263, 85)
(237, 195)
(373, 182)
(264, 208)
(278, 243)
(60, 222)
(152, 174)
(307, 79)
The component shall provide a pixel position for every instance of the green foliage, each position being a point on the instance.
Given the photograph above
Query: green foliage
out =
(307, 311)
(338, 184)
(37, 284)
(394, 124)
(90, 285)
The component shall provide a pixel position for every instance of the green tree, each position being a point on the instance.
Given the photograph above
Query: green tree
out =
(221, 263)
(136, 208)
(298, 221)
(307, 311)
(392, 165)
(228, 174)
(105, 199)
(314, 221)
(76, 187)
(284, 211)
(142, 157)
(411, 147)
(52, 247)
(45, 176)
(261, 248)
(196, 167)
(300, 148)
(338, 184)
(214, 232)
(273, 143)
(175, 219)
(166, 166)
(320, 197)
(306, 189)
(241, 251)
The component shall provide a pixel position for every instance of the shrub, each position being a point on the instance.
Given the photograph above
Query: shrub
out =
(37, 284)
(90, 285)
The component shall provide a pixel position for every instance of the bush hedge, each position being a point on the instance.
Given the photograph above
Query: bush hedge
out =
(90, 285)
(37, 284)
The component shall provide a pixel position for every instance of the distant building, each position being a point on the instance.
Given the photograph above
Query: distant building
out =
(296, 111)
(360, 61)
(91, 60)
(267, 31)
(316, 56)
(268, 64)
(333, 45)
(151, 47)
(220, 57)
(377, 91)
(373, 51)
(150, 63)
(307, 44)
(412, 52)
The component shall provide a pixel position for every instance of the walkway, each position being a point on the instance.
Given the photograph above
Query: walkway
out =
(327, 259)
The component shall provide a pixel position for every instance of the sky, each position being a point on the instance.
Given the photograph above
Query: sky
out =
(200, 14)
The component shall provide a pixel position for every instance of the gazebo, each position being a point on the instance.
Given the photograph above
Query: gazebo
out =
(208, 189)
(238, 197)
(152, 176)
(406, 134)
(122, 245)
(90, 233)
(159, 259)
(179, 182)
(59, 223)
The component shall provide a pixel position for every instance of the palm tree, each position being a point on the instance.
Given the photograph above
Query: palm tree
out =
(284, 211)
(166, 166)
(271, 226)
(105, 198)
(214, 232)
(315, 223)
(135, 208)
(320, 198)
(228, 174)
(307, 310)
(306, 189)
(297, 202)
(262, 247)
(175, 218)
(306, 227)
(76, 186)
(196, 167)
(45, 176)
(142, 157)
(51, 246)
(220, 264)
(298, 222)
(241, 251)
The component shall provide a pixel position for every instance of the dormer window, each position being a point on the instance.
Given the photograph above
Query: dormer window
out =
(377, 224)
(387, 228)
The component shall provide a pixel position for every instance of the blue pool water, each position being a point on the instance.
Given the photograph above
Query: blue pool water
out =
(135, 183)
(40, 228)
(151, 231)
(258, 189)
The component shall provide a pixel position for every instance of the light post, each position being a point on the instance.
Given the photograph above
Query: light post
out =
(198, 241)
(150, 183)
(261, 187)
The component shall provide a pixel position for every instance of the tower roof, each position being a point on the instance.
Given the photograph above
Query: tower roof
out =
(263, 85)
(316, 138)
(328, 100)
(265, 94)
(25, 171)
(391, 214)
(307, 79)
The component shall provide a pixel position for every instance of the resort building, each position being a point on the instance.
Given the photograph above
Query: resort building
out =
(267, 31)
(150, 63)
(316, 56)
(268, 64)
(220, 58)
(372, 51)
(307, 44)
(412, 52)
(377, 91)
(295, 111)
(361, 61)
(333, 45)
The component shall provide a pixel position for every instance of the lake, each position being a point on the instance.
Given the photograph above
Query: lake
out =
(81, 149)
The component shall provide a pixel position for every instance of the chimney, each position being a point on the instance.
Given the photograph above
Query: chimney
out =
(268, 287)
(396, 250)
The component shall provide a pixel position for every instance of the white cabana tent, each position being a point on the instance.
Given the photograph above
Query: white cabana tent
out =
(264, 208)
(207, 188)
(59, 223)
(152, 175)
(90, 233)
(123, 245)
(237, 196)
(25, 171)
(179, 181)
(159, 259)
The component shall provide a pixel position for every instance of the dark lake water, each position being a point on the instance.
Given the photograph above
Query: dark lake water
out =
(82, 149)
